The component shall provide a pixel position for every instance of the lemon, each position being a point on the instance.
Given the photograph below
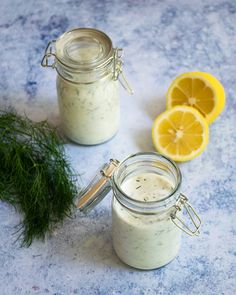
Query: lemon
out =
(180, 133)
(199, 90)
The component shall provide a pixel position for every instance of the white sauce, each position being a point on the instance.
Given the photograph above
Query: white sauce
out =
(89, 113)
(145, 241)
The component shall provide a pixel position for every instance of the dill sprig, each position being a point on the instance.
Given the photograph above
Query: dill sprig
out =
(35, 175)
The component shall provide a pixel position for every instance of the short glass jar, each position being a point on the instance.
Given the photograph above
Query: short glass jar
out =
(146, 208)
(87, 84)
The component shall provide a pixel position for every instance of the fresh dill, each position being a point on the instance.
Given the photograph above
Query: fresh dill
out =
(35, 175)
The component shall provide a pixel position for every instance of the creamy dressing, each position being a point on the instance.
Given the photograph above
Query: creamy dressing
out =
(90, 113)
(145, 241)
(147, 187)
(87, 92)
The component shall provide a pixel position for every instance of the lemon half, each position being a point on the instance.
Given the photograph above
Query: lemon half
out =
(180, 133)
(199, 90)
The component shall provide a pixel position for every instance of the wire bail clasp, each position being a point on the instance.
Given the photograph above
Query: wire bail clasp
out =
(117, 70)
(195, 219)
(49, 53)
(98, 188)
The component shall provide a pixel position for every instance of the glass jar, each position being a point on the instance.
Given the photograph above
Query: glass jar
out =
(147, 208)
(87, 84)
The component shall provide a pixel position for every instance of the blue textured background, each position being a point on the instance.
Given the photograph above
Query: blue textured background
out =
(161, 39)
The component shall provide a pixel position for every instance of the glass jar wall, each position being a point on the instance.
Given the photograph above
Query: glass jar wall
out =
(147, 207)
(87, 87)
(90, 113)
(146, 188)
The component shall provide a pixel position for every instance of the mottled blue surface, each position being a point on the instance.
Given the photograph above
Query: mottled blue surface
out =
(161, 39)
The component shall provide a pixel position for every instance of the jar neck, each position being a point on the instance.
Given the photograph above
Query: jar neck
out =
(85, 76)
(150, 162)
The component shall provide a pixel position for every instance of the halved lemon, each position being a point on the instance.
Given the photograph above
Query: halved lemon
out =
(199, 90)
(180, 133)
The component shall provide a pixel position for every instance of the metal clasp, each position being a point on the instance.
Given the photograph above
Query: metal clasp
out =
(49, 52)
(117, 70)
(110, 168)
(196, 221)
(99, 188)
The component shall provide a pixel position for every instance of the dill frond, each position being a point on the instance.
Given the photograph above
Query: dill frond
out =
(35, 175)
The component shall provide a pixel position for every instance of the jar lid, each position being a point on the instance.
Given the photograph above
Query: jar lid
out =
(98, 188)
(84, 48)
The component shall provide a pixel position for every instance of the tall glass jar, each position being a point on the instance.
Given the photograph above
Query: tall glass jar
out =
(147, 208)
(87, 84)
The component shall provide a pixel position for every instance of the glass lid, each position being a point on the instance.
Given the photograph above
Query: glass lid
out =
(84, 48)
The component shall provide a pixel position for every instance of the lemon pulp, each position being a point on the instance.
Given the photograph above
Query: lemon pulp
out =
(180, 133)
(199, 90)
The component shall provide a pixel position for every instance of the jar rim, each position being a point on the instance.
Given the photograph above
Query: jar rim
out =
(150, 204)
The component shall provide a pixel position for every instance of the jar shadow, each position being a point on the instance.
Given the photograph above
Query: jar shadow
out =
(143, 139)
(44, 109)
(87, 240)
(152, 107)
